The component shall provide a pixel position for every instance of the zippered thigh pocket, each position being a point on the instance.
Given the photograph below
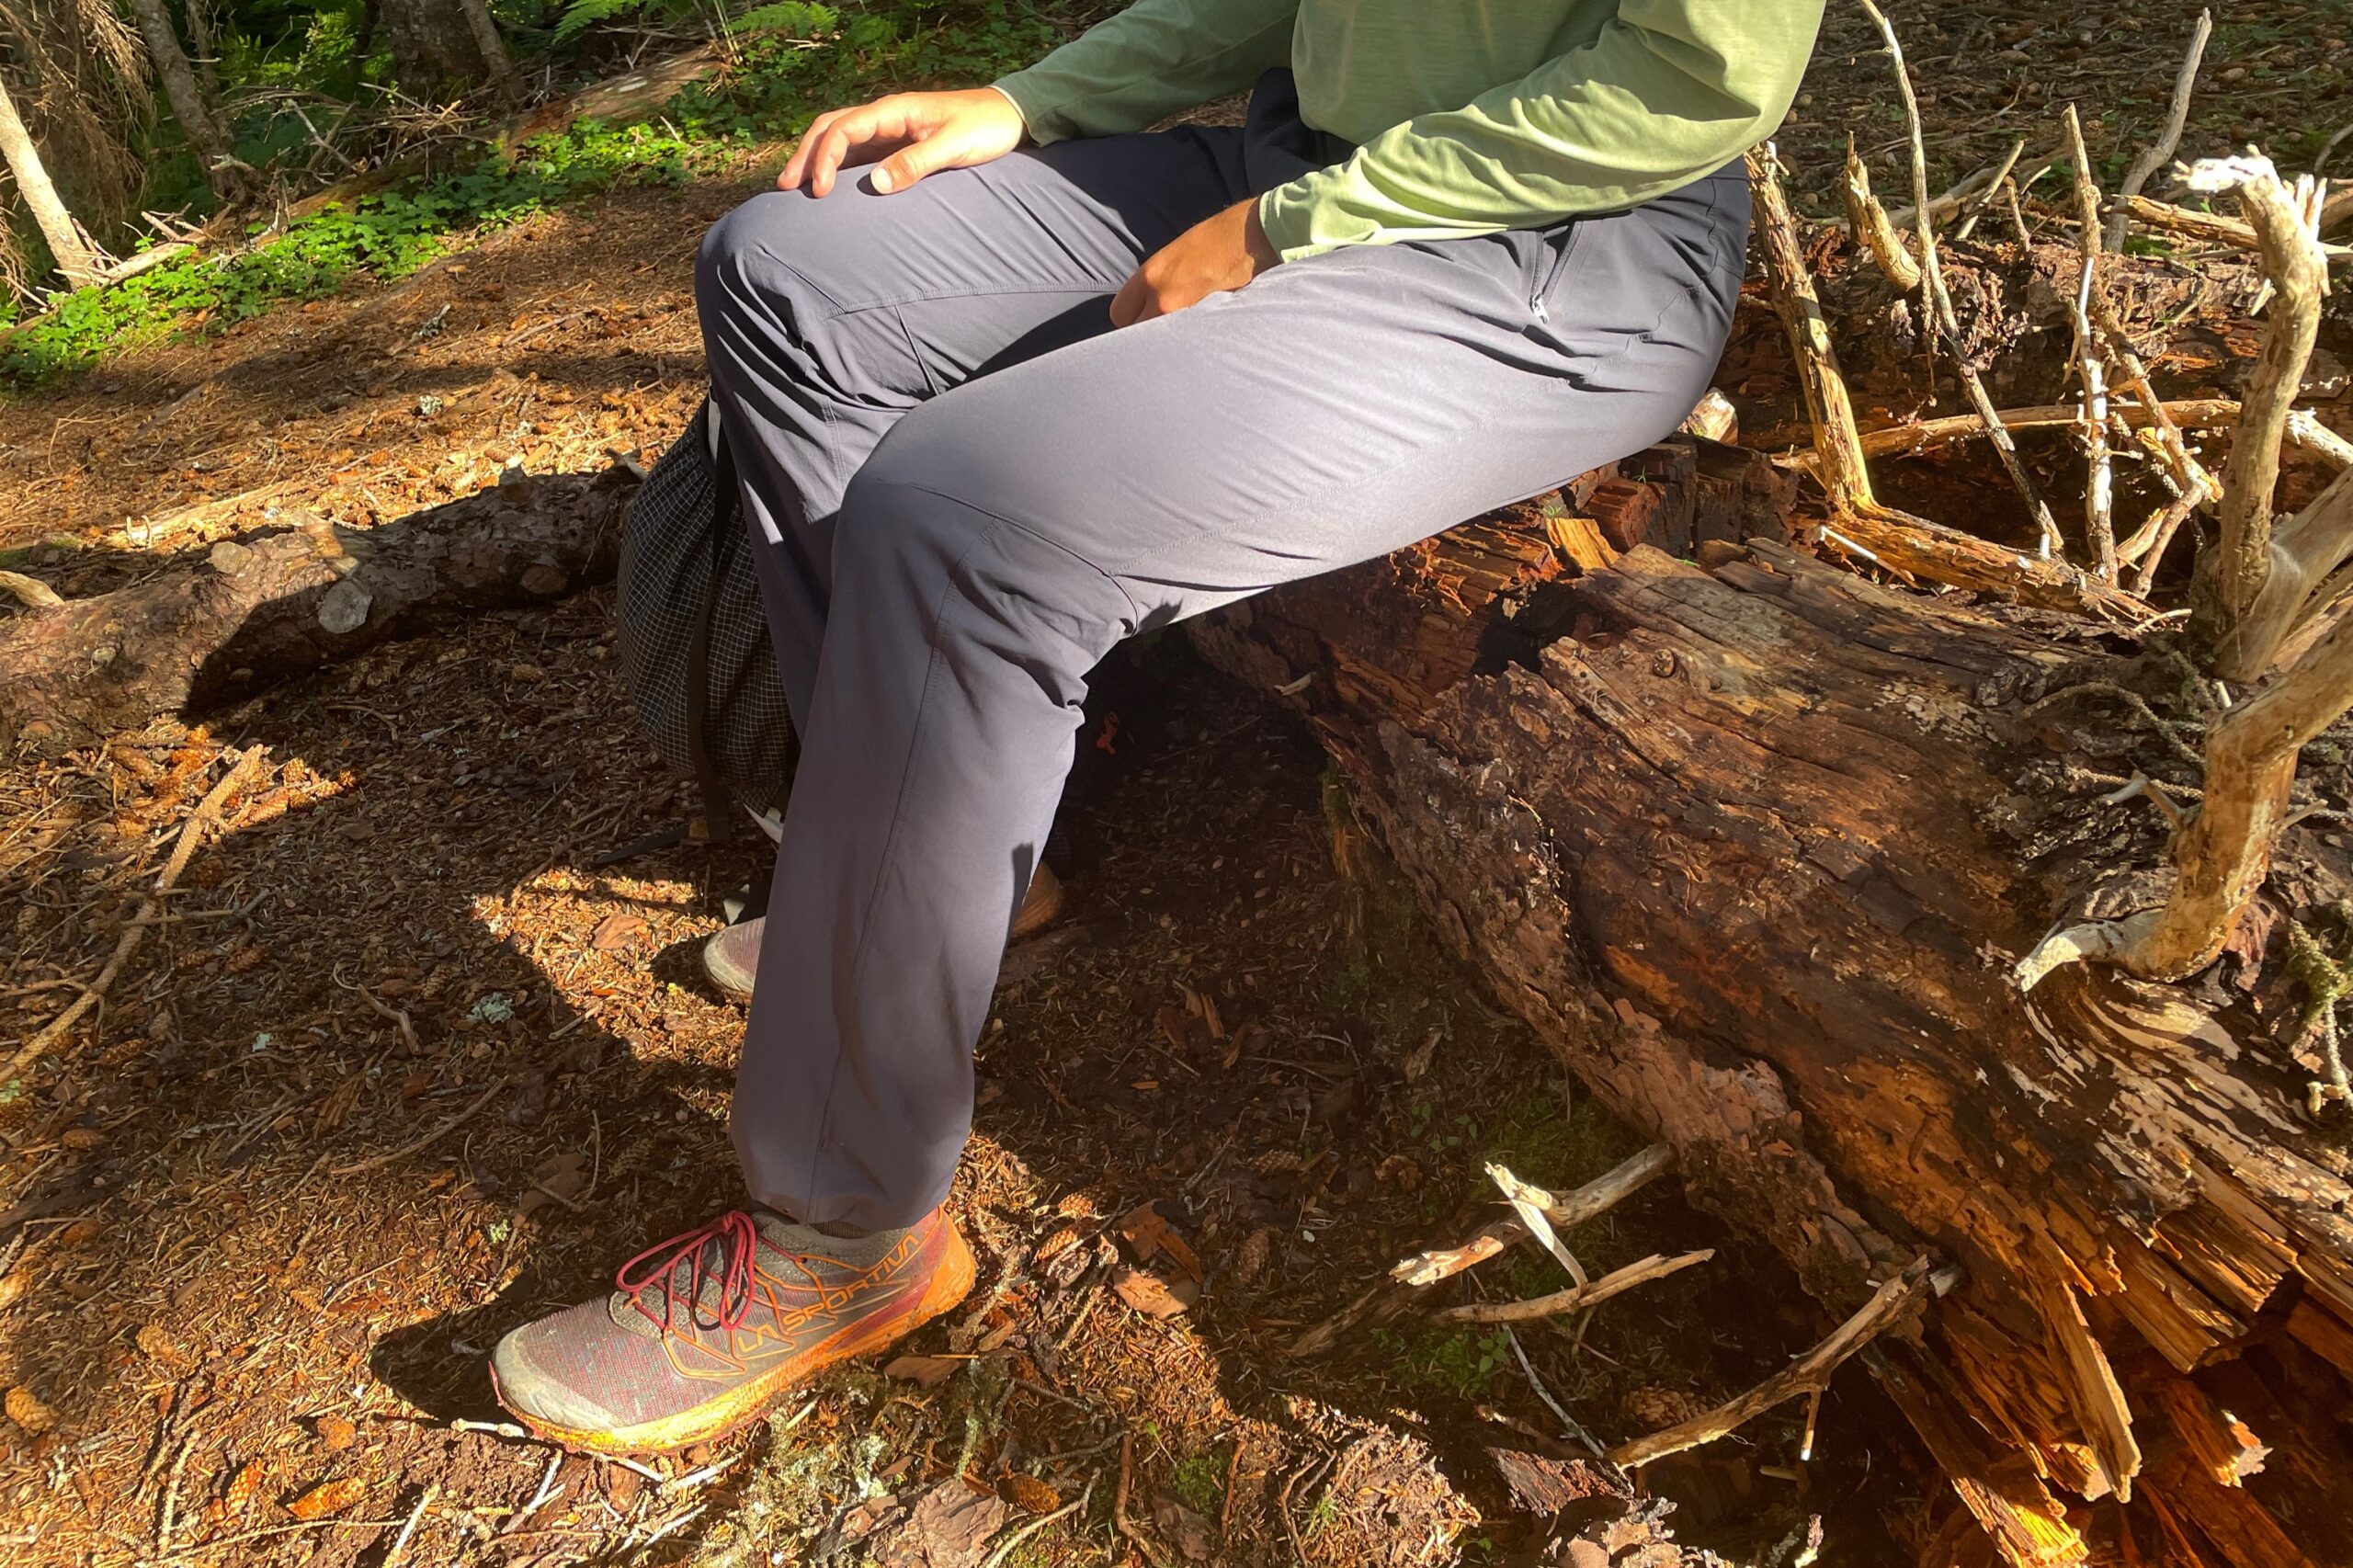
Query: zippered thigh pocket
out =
(1563, 245)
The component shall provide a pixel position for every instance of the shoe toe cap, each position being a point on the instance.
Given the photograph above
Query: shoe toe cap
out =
(530, 1382)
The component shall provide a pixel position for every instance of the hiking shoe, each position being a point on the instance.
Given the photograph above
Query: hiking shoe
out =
(732, 957)
(708, 1331)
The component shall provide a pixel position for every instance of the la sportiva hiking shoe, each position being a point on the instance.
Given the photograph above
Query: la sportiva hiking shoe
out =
(732, 957)
(710, 1330)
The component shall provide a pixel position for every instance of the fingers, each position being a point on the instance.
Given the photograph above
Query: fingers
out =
(1135, 301)
(831, 138)
(797, 166)
(910, 163)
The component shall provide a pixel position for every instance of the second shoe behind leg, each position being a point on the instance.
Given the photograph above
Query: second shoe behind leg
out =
(1007, 534)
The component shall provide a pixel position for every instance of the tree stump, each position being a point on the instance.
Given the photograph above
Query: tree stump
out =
(1747, 843)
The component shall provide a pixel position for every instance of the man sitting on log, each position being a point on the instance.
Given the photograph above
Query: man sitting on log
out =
(1040, 381)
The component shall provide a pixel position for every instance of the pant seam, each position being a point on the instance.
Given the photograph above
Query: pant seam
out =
(1135, 611)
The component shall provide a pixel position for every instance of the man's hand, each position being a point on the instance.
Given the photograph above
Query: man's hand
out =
(922, 132)
(1214, 256)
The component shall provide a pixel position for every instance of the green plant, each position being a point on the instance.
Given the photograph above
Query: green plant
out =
(1448, 1360)
(1199, 1480)
(804, 58)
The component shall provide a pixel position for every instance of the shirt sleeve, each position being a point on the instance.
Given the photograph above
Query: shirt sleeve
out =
(1149, 62)
(1671, 90)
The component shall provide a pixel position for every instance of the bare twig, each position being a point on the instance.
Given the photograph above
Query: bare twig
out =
(1906, 543)
(2099, 487)
(417, 1517)
(1975, 208)
(1569, 1423)
(2185, 414)
(2155, 156)
(2212, 227)
(1416, 1274)
(1940, 301)
(1872, 229)
(1577, 1297)
(1119, 1520)
(424, 1142)
(2249, 589)
(206, 817)
(2222, 856)
(1804, 1375)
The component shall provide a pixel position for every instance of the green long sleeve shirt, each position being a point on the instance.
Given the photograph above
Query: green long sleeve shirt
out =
(1469, 116)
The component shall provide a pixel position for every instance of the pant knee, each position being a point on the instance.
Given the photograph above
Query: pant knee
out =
(992, 586)
(751, 264)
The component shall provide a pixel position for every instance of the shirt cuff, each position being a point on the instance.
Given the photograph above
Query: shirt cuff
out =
(1288, 214)
(1035, 118)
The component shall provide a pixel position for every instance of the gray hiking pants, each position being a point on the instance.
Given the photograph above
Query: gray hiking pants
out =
(969, 487)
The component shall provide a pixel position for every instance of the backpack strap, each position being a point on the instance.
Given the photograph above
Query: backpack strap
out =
(725, 528)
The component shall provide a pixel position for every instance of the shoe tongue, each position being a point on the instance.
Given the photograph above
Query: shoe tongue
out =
(776, 1233)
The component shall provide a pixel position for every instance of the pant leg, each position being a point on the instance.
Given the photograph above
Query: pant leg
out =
(825, 320)
(1003, 538)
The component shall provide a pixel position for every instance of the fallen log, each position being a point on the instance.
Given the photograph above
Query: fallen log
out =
(267, 610)
(1752, 844)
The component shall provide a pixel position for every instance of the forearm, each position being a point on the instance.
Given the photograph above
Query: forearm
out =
(1671, 90)
(1150, 60)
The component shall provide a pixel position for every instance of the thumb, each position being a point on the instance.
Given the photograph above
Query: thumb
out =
(908, 164)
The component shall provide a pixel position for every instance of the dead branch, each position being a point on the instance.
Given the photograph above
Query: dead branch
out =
(1939, 299)
(2158, 152)
(1900, 541)
(2099, 488)
(204, 819)
(1807, 1374)
(1977, 206)
(2183, 472)
(1414, 1274)
(2304, 431)
(2212, 227)
(1869, 223)
(2240, 612)
(1576, 1298)
(2221, 859)
(29, 592)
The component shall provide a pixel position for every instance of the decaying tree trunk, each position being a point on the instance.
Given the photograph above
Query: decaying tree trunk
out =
(75, 672)
(1745, 842)
(75, 256)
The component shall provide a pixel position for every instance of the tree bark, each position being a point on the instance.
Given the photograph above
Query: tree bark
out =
(438, 50)
(197, 121)
(1745, 843)
(75, 256)
(254, 614)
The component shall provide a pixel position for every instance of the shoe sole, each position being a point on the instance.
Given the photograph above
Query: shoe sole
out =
(1040, 910)
(738, 1408)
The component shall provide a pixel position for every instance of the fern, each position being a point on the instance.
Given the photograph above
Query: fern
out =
(793, 17)
(579, 16)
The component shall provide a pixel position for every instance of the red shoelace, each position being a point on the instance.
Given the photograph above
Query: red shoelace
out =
(737, 1240)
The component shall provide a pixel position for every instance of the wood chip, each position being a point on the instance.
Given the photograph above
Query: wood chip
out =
(925, 1371)
(1150, 1294)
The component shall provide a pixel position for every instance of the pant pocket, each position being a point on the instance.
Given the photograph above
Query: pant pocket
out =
(1553, 264)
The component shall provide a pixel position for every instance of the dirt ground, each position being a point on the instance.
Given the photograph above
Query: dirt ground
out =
(405, 1064)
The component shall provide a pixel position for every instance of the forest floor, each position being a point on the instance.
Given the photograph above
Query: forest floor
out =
(406, 1065)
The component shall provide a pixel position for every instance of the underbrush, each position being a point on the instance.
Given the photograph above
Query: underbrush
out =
(804, 58)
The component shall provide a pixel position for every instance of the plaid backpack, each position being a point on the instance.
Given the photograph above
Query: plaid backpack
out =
(693, 641)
